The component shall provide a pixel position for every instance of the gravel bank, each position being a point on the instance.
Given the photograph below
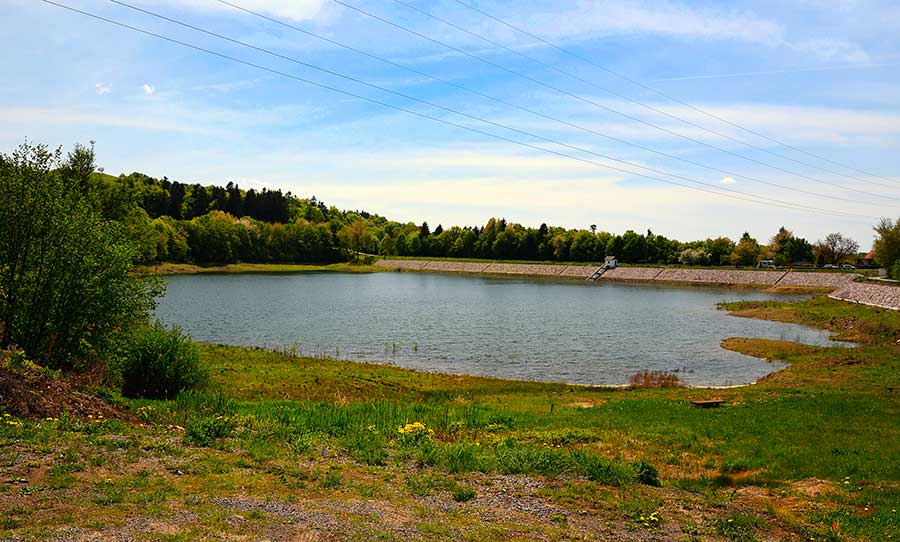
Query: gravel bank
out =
(721, 276)
(579, 271)
(876, 295)
(525, 269)
(631, 273)
(456, 267)
(731, 277)
(413, 265)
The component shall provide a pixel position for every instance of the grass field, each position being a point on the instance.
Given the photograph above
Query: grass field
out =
(292, 448)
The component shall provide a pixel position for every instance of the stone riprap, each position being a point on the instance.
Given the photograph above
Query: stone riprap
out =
(817, 280)
(524, 269)
(414, 265)
(631, 273)
(866, 293)
(721, 276)
(579, 271)
(734, 277)
(456, 267)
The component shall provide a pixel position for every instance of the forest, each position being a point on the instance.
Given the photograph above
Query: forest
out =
(178, 222)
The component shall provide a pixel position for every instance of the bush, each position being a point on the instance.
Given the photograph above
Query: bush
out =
(160, 362)
(66, 287)
(895, 270)
(205, 430)
(463, 494)
(655, 379)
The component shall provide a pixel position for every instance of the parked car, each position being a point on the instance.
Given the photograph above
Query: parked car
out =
(848, 266)
(830, 266)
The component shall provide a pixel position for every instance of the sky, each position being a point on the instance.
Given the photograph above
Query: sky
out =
(794, 102)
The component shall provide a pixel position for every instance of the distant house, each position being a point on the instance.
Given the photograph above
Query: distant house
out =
(766, 264)
(867, 261)
(610, 262)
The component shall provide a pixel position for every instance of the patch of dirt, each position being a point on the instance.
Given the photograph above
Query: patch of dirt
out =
(813, 487)
(34, 395)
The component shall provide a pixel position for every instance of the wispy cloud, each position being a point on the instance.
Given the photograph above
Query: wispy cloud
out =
(296, 10)
(149, 89)
(102, 88)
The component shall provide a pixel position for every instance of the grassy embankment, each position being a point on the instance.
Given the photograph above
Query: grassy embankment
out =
(308, 449)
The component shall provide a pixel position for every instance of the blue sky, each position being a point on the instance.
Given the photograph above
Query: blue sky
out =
(820, 75)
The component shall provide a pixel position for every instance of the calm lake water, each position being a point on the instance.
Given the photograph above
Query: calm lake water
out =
(571, 331)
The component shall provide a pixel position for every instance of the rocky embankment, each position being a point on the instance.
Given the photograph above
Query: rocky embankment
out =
(681, 275)
(866, 293)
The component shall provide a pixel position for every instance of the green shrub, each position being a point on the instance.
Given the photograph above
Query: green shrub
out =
(205, 430)
(463, 494)
(605, 471)
(160, 362)
(647, 473)
(366, 447)
(895, 270)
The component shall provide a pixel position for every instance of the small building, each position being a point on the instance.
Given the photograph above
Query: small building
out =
(610, 262)
(867, 261)
(766, 264)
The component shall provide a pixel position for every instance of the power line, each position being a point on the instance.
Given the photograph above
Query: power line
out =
(432, 104)
(741, 195)
(589, 101)
(678, 101)
(537, 113)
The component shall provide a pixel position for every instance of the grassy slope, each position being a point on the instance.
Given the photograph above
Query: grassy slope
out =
(812, 452)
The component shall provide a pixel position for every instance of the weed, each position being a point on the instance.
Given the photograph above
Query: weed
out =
(739, 527)
(332, 480)
(463, 494)
(206, 430)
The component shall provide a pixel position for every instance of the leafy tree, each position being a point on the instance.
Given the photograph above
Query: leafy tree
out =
(356, 237)
(887, 246)
(795, 249)
(634, 247)
(693, 256)
(836, 248)
(66, 287)
(746, 252)
(582, 248)
(719, 250)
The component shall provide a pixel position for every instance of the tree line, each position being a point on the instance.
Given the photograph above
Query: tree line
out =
(179, 222)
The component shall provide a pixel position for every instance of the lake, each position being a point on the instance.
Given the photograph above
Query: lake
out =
(570, 331)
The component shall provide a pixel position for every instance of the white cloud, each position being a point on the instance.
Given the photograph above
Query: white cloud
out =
(297, 10)
(103, 88)
(832, 50)
(728, 180)
(627, 17)
(149, 89)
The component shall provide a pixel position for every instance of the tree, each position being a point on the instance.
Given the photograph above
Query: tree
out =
(836, 248)
(66, 287)
(693, 256)
(718, 250)
(746, 252)
(356, 237)
(775, 244)
(887, 245)
(795, 249)
(582, 248)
